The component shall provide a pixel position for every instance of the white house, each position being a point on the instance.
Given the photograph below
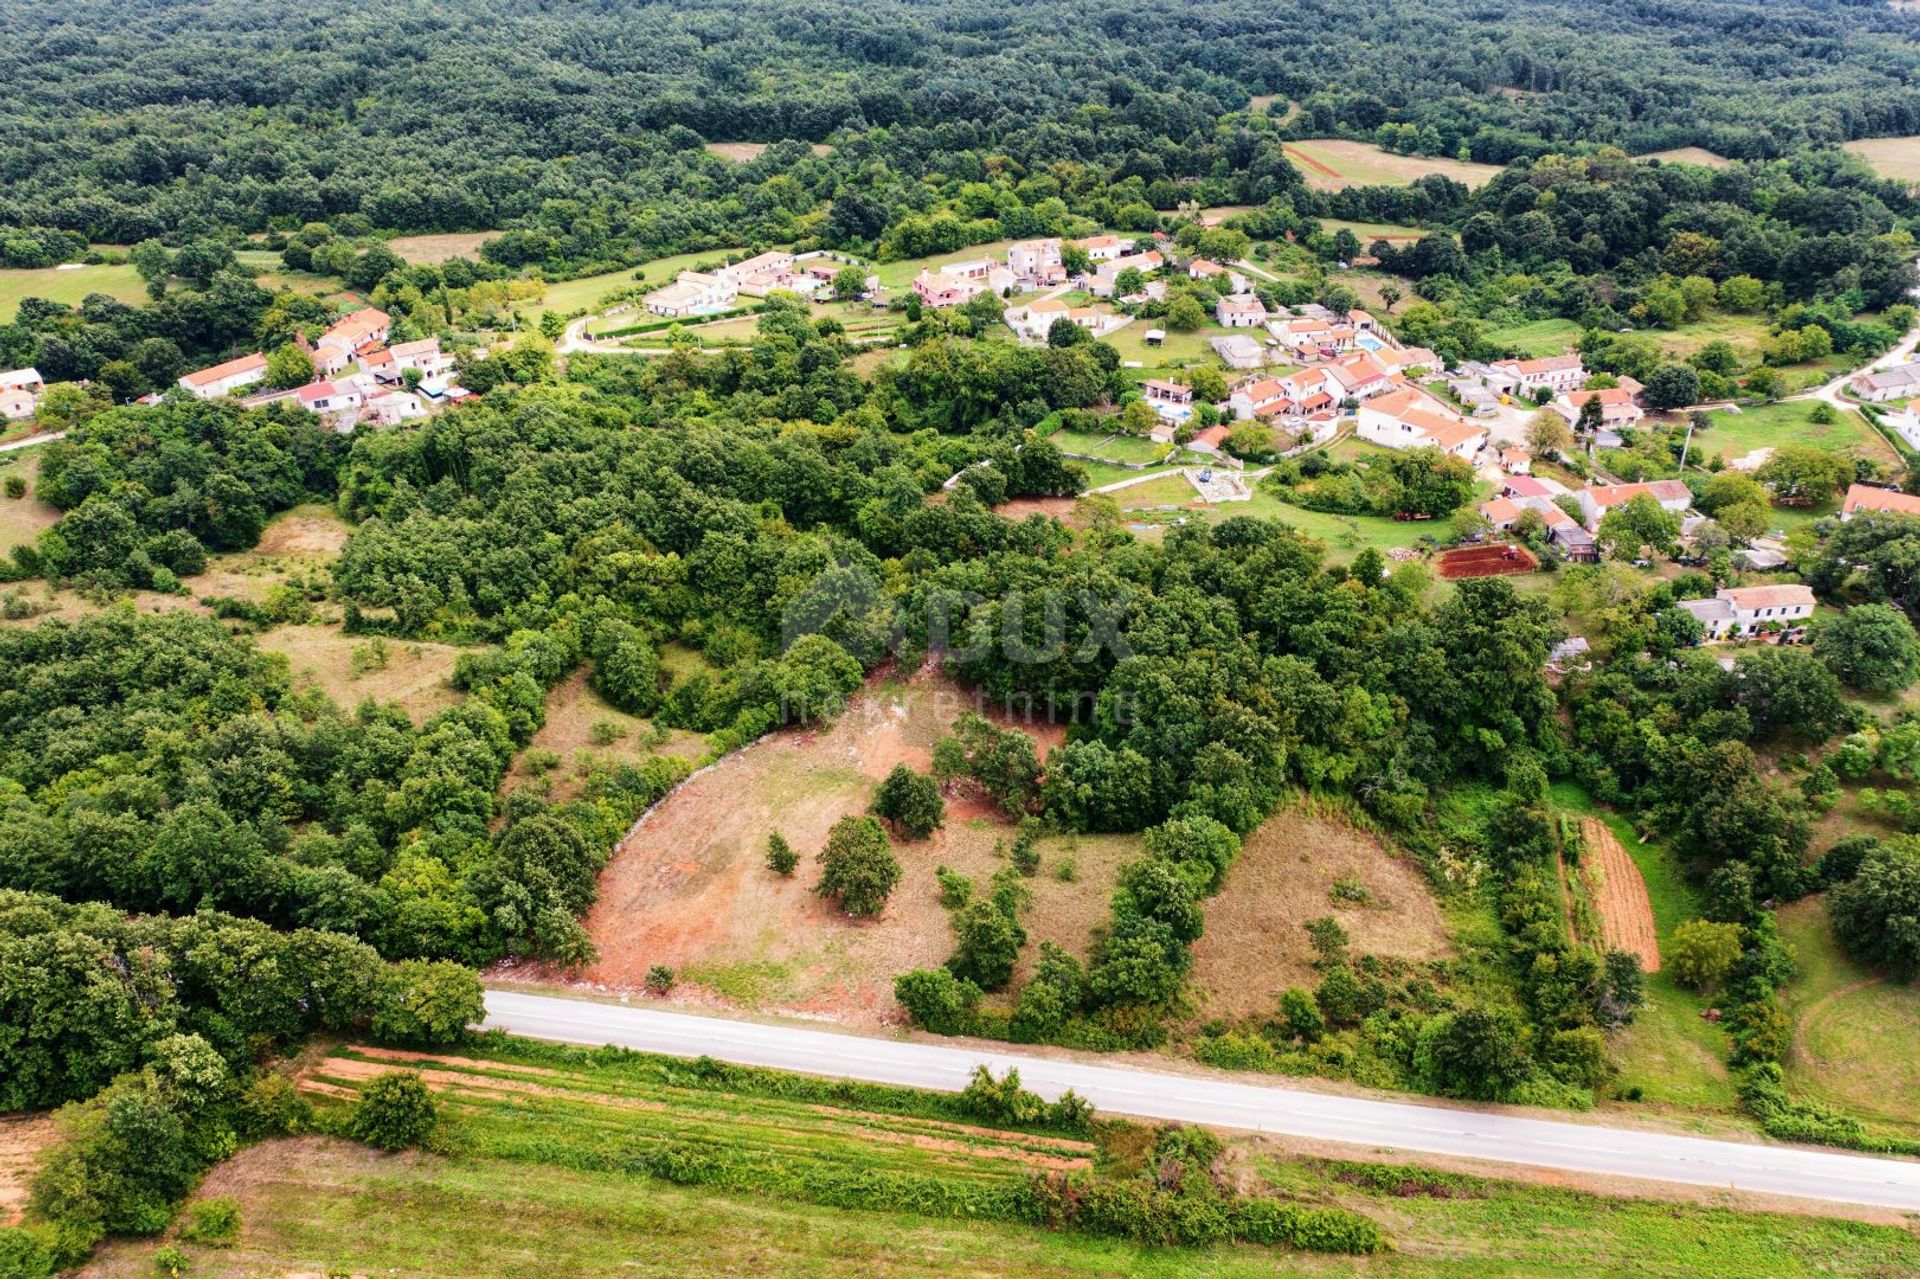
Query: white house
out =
(1036, 261)
(1106, 278)
(1558, 373)
(395, 407)
(1034, 320)
(329, 398)
(1357, 376)
(1240, 311)
(1105, 248)
(1617, 408)
(424, 355)
(1743, 610)
(1597, 499)
(16, 403)
(693, 293)
(351, 337)
(1204, 269)
(1239, 351)
(28, 380)
(1406, 419)
(1900, 382)
(224, 379)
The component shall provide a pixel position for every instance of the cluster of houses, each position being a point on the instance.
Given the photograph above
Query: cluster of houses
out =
(1522, 492)
(358, 376)
(696, 293)
(1313, 399)
(20, 391)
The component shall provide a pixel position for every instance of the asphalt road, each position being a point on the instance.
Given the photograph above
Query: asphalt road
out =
(1586, 1148)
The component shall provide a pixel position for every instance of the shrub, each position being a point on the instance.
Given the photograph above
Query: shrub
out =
(16, 486)
(987, 941)
(1874, 912)
(857, 866)
(171, 1261)
(659, 979)
(427, 1004)
(956, 890)
(938, 1001)
(781, 859)
(212, 1222)
(394, 1112)
(1701, 953)
(911, 801)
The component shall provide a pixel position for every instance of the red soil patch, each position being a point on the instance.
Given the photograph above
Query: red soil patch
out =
(1487, 561)
(1059, 508)
(689, 887)
(1620, 895)
(1299, 157)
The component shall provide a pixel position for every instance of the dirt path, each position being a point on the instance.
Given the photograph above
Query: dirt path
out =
(1620, 895)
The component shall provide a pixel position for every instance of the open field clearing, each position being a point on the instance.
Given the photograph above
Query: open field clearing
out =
(22, 1138)
(1770, 425)
(351, 668)
(1689, 155)
(1111, 447)
(1333, 164)
(1675, 1057)
(69, 285)
(574, 711)
(690, 887)
(742, 152)
(22, 519)
(1368, 232)
(1255, 944)
(1889, 157)
(898, 275)
(564, 297)
(1538, 338)
(431, 250)
(1856, 1036)
(553, 1146)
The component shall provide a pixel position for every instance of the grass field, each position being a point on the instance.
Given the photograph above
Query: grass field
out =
(1345, 535)
(584, 294)
(1332, 164)
(1856, 1036)
(1109, 447)
(23, 518)
(1890, 157)
(1733, 435)
(430, 250)
(1166, 490)
(1688, 155)
(69, 285)
(538, 1141)
(1671, 1054)
(898, 275)
(1537, 339)
(1368, 232)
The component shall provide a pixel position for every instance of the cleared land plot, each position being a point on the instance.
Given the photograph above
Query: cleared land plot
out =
(742, 152)
(22, 1138)
(1255, 944)
(1110, 447)
(1486, 561)
(22, 519)
(351, 668)
(690, 888)
(1890, 157)
(898, 275)
(1689, 155)
(431, 250)
(573, 711)
(1538, 338)
(1670, 1052)
(1333, 164)
(1163, 490)
(1620, 895)
(1789, 422)
(1368, 232)
(311, 1207)
(584, 294)
(1856, 1036)
(69, 285)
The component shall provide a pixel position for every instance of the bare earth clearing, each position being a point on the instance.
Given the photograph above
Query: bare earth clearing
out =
(1255, 946)
(431, 250)
(690, 887)
(1620, 895)
(415, 674)
(22, 1138)
(572, 711)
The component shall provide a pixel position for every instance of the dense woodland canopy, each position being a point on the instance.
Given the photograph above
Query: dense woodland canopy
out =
(120, 121)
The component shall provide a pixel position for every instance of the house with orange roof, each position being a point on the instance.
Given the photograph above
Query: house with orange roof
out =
(1105, 248)
(1408, 419)
(1212, 440)
(1240, 311)
(1036, 261)
(224, 379)
(1865, 499)
(1617, 407)
(1597, 499)
(351, 337)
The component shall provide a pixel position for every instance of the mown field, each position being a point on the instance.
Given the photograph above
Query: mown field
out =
(547, 1145)
(1733, 435)
(69, 285)
(1330, 164)
(1889, 157)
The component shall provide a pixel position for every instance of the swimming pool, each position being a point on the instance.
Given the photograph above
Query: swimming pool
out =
(1368, 342)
